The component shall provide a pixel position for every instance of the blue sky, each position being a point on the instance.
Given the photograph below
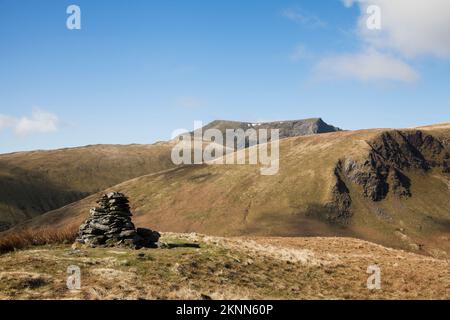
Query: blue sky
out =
(137, 70)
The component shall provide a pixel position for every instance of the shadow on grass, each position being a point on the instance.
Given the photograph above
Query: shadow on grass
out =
(181, 245)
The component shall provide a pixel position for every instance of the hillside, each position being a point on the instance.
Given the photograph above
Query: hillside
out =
(36, 182)
(40, 181)
(387, 186)
(226, 268)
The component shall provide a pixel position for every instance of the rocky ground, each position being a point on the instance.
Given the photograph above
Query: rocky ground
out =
(225, 268)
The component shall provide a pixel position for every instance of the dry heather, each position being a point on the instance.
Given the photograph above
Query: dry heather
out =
(226, 268)
(27, 238)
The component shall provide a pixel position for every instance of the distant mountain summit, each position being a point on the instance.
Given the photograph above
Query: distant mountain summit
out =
(290, 128)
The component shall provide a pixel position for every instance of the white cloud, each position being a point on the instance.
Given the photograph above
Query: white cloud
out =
(410, 28)
(40, 121)
(366, 66)
(304, 18)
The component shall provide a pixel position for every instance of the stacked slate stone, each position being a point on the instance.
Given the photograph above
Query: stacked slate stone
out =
(110, 225)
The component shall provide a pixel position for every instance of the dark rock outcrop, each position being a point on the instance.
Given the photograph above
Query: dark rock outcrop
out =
(339, 208)
(392, 154)
(446, 163)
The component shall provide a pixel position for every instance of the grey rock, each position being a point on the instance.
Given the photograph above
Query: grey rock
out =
(110, 225)
(127, 233)
(99, 226)
(120, 213)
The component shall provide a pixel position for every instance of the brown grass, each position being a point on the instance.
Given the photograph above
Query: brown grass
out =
(225, 268)
(26, 238)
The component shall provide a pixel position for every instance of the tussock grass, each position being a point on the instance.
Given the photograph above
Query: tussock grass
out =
(26, 238)
(225, 268)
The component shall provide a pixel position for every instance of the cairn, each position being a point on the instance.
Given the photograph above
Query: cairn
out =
(110, 225)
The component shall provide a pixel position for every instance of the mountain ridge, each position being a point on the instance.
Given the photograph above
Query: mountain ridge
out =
(287, 128)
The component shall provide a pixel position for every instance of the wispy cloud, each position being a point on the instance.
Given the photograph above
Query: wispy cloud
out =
(300, 53)
(348, 3)
(40, 121)
(368, 66)
(6, 122)
(304, 18)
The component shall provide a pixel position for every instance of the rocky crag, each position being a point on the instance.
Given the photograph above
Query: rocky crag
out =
(385, 169)
(110, 225)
